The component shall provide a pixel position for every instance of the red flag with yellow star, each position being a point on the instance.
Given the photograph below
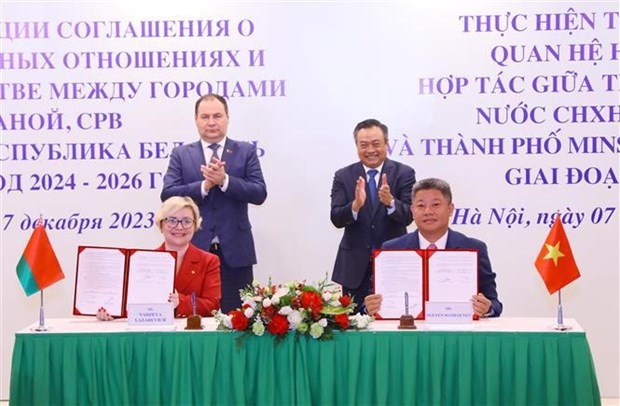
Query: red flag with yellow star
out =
(555, 262)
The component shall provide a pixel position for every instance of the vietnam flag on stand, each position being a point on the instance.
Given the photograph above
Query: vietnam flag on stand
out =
(38, 267)
(555, 262)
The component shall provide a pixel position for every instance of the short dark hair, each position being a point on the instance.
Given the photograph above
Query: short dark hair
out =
(211, 96)
(432, 183)
(369, 123)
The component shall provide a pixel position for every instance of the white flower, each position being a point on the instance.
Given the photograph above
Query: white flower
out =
(282, 291)
(316, 330)
(258, 328)
(294, 318)
(285, 311)
(225, 319)
(361, 321)
(249, 300)
(258, 297)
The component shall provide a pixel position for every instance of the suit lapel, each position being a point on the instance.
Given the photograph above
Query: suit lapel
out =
(388, 169)
(197, 154)
(190, 268)
(452, 241)
(357, 172)
(228, 154)
(415, 240)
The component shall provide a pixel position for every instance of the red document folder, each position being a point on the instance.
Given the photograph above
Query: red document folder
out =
(102, 278)
(426, 289)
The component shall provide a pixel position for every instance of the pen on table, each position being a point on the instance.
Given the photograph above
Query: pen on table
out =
(194, 302)
(407, 303)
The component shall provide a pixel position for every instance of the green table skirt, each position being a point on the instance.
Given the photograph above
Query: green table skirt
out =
(356, 368)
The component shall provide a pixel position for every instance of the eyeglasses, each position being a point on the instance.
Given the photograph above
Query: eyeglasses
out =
(173, 222)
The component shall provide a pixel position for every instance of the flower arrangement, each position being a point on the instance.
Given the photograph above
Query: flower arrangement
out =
(305, 309)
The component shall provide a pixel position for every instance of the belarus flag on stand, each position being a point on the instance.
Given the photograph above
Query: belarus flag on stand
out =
(555, 262)
(38, 267)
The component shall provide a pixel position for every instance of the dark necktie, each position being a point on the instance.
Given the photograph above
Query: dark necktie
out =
(214, 148)
(431, 246)
(372, 187)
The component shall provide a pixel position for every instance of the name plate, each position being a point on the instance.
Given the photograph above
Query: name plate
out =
(449, 312)
(150, 315)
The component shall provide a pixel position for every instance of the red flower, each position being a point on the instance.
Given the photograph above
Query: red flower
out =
(239, 321)
(313, 301)
(269, 312)
(278, 325)
(295, 303)
(345, 300)
(343, 320)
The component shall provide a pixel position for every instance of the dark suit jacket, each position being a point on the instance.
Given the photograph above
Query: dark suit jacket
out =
(486, 276)
(199, 273)
(372, 227)
(223, 214)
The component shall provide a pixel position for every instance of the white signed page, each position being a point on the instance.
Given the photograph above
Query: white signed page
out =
(397, 273)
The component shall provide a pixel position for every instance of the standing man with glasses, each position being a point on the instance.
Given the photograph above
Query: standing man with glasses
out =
(370, 199)
(222, 176)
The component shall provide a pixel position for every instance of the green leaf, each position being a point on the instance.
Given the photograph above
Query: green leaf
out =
(334, 310)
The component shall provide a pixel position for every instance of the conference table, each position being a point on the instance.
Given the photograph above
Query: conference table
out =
(501, 361)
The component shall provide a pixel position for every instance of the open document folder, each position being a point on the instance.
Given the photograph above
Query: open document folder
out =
(425, 275)
(115, 277)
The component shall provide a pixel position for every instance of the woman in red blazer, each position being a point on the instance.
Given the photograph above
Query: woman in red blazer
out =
(197, 271)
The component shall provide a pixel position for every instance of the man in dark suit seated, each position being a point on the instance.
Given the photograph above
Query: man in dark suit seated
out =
(432, 208)
(370, 199)
(222, 176)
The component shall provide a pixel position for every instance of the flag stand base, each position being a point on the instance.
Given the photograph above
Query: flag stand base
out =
(41, 327)
(560, 326)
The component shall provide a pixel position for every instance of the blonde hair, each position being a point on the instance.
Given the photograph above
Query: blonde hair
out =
(174, 204)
